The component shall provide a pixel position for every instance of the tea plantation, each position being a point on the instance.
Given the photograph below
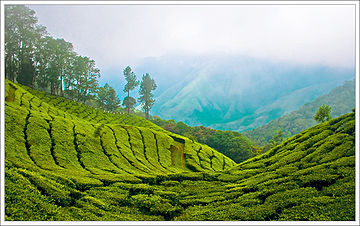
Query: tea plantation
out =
(65, 161)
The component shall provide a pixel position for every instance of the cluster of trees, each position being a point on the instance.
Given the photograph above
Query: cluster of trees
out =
(146, 98)
(232, 144)
(35, 59)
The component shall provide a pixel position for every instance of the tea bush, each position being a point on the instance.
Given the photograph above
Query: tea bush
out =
(65, 161)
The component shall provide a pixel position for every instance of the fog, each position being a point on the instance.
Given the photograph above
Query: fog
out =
(116, 35)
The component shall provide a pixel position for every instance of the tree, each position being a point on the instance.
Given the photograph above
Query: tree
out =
(129, 103)
(232, 144)
(146, 97)
(21, 35)
(84, 84)
(132, 82)
(277, 139)
(323, 113)
(107, 98)
(35, 59)
(54, 62)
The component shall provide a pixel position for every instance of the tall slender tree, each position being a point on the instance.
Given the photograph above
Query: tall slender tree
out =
(35, 59)
(21, 34)
(131, 84)
(129, 103)
(85, 82)
(147, 85)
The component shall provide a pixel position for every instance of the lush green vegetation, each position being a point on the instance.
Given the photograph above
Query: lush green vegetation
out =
(323, 113)
(341, 100)
(67, 161)
(35, 59)
(230, 143)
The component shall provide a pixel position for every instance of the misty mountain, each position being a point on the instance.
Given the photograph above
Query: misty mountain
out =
(235, 92)
(341, 100)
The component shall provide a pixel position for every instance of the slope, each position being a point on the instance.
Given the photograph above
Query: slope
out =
(238, 93)
(62, 167)
(341, 99)
(310, 176)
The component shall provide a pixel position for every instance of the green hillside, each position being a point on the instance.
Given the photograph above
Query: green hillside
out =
(65, 161)
(341, 100)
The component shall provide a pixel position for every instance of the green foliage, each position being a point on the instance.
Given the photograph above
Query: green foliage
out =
(132, 82)
(341, 100)
(147, 85)
(229, 143)
(35, 59)
(129, 103)
(323, 113)
(21, 36)
(277, 139)
(65, 161)
(107, 99)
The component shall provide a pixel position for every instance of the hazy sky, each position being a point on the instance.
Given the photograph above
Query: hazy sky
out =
(122, 34)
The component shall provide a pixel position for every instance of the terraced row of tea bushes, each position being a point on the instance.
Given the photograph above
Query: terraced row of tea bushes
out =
(62, 107)
(311, 176)
(54, 143)
(110, 138)
(62, 167)
(90, 114)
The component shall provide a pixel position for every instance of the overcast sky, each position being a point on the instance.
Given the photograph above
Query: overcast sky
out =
(122, 34)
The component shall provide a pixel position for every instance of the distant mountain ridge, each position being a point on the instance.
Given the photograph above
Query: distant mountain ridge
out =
(235, 92)
(341, 99)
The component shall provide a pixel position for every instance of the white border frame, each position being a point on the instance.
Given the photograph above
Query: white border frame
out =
(357, 104)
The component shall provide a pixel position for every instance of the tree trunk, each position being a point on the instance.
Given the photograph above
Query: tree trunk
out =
(33, 79)
(52, 88)
(128, 106)
(61, 85)
(147, 113)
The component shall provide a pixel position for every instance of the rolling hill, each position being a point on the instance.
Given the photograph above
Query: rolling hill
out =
(65, 161)
(234, 92)
(341, 99)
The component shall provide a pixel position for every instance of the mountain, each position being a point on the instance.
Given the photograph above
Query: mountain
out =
(341, 99)
(236, 93)
(65, 161)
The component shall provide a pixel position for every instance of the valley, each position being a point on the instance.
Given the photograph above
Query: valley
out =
(65, 161)
(153, 113)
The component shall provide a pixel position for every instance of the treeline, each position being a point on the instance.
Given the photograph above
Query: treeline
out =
(230, 143)
(35, 59)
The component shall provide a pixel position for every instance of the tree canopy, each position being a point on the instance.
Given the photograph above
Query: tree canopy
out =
(323, 113)
(107, 99)
(147, 85)
(129, 103)
(131, 84)
(34, 58)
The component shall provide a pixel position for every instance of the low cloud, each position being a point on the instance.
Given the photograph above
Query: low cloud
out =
(122, 34)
